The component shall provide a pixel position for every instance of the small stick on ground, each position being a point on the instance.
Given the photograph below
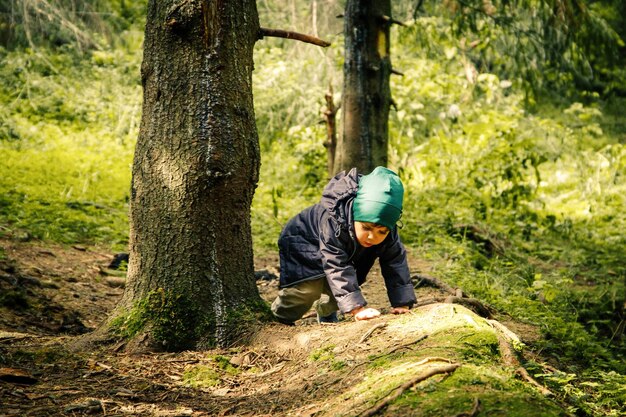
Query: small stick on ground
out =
(394, 350)
(370, 331)
(400, 390)
(404, 345)
(270, 371)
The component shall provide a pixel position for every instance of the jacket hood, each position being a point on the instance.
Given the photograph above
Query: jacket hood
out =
(338, 196)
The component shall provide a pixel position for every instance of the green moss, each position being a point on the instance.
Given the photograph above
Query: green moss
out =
(241, 322)
(211, 374)
(479, 346)
(223, 363)
(327, 354)
(202, 376)
(324, 353)
(177, 325)
(172, 322)
(498, 393)
(455, 335)
(14, 299)
(46, 355)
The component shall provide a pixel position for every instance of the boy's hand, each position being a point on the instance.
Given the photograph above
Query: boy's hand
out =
(400, 310)
(362, 313)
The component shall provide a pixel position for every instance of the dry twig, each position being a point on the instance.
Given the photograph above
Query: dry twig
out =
(370, 331)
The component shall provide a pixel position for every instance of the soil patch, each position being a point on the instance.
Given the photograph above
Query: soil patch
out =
(52, 294)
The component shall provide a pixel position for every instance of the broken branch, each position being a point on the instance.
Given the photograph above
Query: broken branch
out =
(391, 20)
(330, 116)
(279, 33)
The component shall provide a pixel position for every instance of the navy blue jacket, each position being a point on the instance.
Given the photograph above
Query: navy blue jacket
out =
(320, 241)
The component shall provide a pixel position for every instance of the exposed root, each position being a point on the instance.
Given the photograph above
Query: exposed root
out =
(394, 350)
(434, 282)
(507, 341)
(523, 373)
(473, 304)
(405, 345)
(456, 295)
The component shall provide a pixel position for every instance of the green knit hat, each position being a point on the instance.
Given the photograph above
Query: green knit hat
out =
(379, 198)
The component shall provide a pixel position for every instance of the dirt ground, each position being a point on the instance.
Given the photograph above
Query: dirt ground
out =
(51, 295)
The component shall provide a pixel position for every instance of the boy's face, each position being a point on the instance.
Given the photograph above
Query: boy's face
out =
(370, 234)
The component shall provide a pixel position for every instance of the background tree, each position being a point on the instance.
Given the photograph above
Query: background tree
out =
(190, 274)
(366, 95)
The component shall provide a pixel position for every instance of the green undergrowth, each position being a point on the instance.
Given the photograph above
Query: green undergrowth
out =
(68, 125)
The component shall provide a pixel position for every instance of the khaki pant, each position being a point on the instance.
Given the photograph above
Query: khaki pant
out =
(293, 302)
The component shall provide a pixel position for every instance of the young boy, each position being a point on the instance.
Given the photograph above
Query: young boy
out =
(327, 250)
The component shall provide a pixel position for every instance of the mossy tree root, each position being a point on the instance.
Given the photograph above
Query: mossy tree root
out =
(456, 295)
(446, 369)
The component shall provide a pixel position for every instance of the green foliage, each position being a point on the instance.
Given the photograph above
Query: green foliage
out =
(66, 138)
(595, 393)
(543, 43)
(84, 24)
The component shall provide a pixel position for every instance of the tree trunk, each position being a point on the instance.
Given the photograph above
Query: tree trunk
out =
(366, 94)
(190, 274)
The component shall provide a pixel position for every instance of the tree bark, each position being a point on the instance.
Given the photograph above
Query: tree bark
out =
(190, 273)
(366, 93)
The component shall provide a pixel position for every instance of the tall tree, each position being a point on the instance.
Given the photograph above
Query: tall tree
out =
(366, 94)
(190, 273)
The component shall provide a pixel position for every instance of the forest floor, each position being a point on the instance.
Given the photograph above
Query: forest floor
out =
(51, 295)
